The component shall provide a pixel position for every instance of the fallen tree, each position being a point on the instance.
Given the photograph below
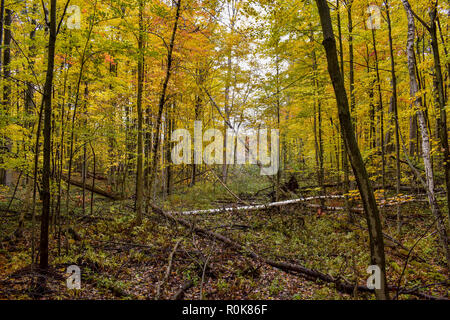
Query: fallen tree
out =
(387, 203)
(96, 190)
(257, 207)
(341, 284)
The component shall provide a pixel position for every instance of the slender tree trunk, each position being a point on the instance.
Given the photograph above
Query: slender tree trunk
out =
(140, 143)
(318, 127)
(341, 57)
(169, 129)
(7, 60)
(352, 109)
(2, 13)
(395, 107)
(227, 111)
(278, 110)
(442, 118)
(365, 188)
(93, 177)
(201, 74)
(47, 102)
(5, 174)
(84, 167)
(381, 110)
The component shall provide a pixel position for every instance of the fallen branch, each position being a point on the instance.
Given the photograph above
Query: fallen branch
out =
(190, 177)
(167, 274)
(228, 189)
(95, 189)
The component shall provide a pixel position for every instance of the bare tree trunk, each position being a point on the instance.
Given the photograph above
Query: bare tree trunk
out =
(365, 188)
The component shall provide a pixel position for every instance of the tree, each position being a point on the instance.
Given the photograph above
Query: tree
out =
(140, 145)
(46, 173)
(365, 188)
(426, 146)
(162, 99)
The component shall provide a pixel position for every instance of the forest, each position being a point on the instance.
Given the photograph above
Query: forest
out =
(224, 150)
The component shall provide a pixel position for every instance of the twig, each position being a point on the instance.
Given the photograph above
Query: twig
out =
(169, 268)
(204, 272)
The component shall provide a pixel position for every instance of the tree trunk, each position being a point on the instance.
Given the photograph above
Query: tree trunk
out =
(365, 188)
(395, 107)
(352, 109)
(47, 102)
(169, 128)
(381, 110)
(5, 143)
(442, 117)
(318, 140)
(140, 146)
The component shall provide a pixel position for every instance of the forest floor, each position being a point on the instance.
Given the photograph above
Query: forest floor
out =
(119, 260)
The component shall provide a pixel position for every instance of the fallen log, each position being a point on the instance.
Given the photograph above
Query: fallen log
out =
(341, 284)
(385, 204)
(96, 190)
(257, 207)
